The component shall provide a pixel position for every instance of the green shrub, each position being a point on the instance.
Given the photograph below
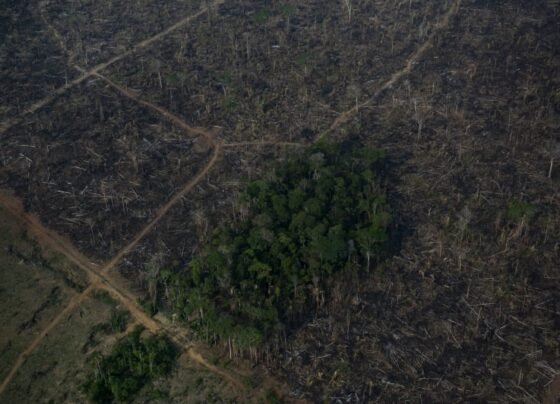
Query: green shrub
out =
(133, 363)
(119, 319)
(104, 297)
(518, 209)
(287, 10)
(320, 214)
(262, 16)
(149, 307)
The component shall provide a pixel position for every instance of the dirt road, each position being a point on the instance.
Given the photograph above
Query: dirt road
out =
(4, 126)
(399, 74)
(98, 275)
(265, 143)
(46, 237)
(163, 210)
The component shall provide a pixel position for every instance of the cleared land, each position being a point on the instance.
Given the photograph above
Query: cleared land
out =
(463, 95)
(96, 166)
(34, 287)
(468, 309)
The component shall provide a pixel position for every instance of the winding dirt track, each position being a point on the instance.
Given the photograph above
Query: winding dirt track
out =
(99, 275)
(399, 74)
(265, 143)
(164, 209)
(99, 278)
(191, 130)
(4, 126)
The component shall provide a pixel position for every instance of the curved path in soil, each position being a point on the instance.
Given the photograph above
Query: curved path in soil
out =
(99, 278)
(399, 74)
(4, 126)
(263, 143)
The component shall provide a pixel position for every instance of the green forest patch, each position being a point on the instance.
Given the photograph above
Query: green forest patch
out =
(134, 362)
(34, 286)
(320, 214)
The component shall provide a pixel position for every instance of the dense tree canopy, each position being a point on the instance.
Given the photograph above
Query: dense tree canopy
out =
(133, 363)
(319, 214)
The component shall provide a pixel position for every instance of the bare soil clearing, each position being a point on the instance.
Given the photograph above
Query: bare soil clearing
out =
(31, 66)
(284, 73)
(411, 61)
(97, 31)
(56, 92)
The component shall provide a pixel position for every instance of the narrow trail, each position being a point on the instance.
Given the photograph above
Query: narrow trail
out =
(184, 190)
(74, 302)
(399, 74)
(163, 211)
(4, 126)
(198, 358)
(173, 118)
(47, 237)
(54, 32)
(98, 277)
(265, 143)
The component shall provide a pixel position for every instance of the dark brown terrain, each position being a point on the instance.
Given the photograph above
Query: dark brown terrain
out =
(127, 130)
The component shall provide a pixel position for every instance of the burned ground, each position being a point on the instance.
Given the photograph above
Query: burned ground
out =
(276, 71)
(96, 31)
(466, 111)
(467, 310)
(95, 166)
(31, 65)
